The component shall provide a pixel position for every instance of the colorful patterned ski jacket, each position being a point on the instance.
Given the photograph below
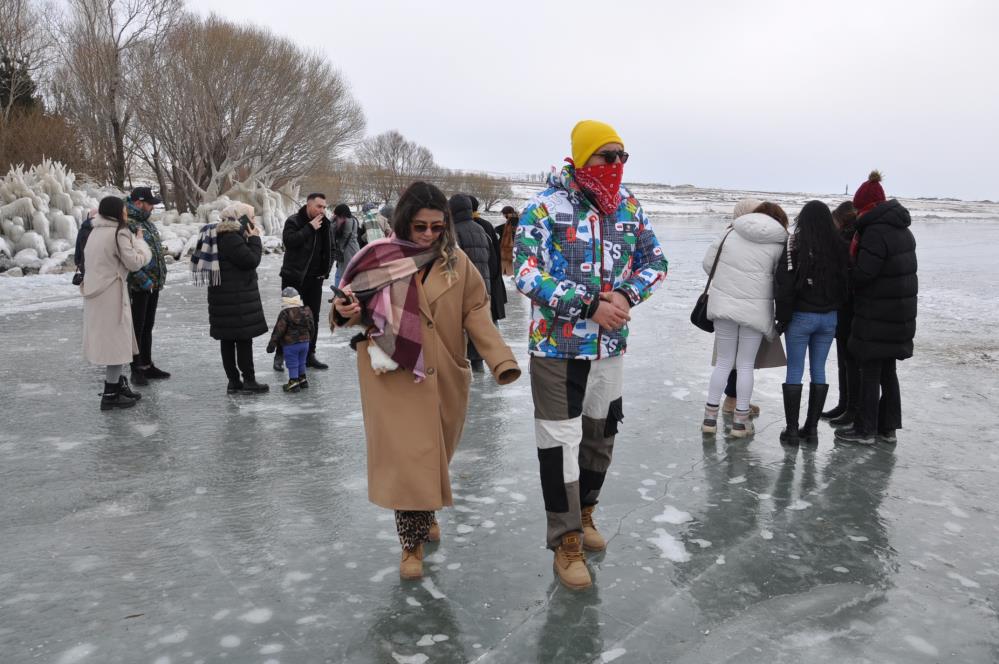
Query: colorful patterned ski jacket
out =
(152, 276)
(567, 253)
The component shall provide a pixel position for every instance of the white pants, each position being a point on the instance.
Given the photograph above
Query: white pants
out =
(737, 347)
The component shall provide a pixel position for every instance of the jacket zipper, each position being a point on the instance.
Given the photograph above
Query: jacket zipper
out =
(312, 252)
(599, 262)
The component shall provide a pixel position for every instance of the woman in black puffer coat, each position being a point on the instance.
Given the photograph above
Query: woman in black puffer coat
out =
(885, 289)
(235, 311)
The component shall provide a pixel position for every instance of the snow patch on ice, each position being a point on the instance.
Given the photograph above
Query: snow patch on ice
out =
(672, 515)
(921, 645)
(428, 584)
(221, 614)
(174, 637)
(671, 548)
(76, 653)
(230, 641)
(310, 620)
(519, 497)
(296, 577)
(644, 493)
(146, 430)
(412, 601)
(381, 574)
(611, 655)
(681, 394)
(840, 569)
(648, 482)
(799, 505)
(739, 479)
(720, 560)
(953, 527)
(418, 658)
(766, 534)
(257, 616)
(464, 529)
(703, 543)
(964, 581)
(271, 649)
(858, 538)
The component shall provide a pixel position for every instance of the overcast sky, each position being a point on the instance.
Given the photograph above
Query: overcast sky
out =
(778, 96)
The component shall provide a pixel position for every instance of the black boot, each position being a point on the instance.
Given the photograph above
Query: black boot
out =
(835, 412)
(234, 386)
(251, 386)
(139, 375)
(113, 398)
(278, 360)
(845, 420)
(303, 381)
(155, 373)
(126, 390)
(792, 406)
(313, 362)
(816, 401)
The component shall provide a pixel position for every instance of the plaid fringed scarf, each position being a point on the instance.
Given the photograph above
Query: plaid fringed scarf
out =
(383, 278)
(205, 268)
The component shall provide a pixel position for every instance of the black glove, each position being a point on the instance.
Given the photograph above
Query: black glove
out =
(781, 328)
(271, 348)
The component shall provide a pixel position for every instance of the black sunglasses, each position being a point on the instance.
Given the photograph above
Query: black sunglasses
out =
(610, 156)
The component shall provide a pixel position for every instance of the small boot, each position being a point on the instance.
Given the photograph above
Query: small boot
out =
(251, 386)
(155, 373)
(112, 397)
(592, 539)
(293, 385)
(710, 422)
(434, 535)
(139, 375)
(834, 412)
(126, 390)
(792, 406)
(303, 381)
(570, 565)
(728, 407)
(844, 420)
(278, 361)
(411, 565)
(855, 436)
(742, 426)
(816, 401)
(313, 362)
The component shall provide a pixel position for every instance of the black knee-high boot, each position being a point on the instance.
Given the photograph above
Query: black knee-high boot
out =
(792, 407)
(816, 400)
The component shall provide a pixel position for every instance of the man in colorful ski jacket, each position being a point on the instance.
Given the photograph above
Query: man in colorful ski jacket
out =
(145, 284)
(585, 255)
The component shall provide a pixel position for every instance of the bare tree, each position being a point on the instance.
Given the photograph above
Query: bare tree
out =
(98, 41)
(24, 54)
(236, 103)
(393, 162)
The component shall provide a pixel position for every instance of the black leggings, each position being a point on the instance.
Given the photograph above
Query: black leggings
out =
(237, 356)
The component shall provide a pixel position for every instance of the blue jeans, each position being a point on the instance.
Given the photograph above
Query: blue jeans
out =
(814, 333)
(294, 358)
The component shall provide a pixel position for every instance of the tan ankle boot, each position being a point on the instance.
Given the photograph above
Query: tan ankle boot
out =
(570, 565)
(411, 565)
(592, 539)
(435, 532)
(728, 407)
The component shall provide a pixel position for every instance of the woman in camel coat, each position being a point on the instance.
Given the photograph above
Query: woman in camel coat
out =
(414, 408)
(112, 252)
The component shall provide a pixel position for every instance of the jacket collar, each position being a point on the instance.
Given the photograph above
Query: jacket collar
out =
(434, 287)
(890, 212)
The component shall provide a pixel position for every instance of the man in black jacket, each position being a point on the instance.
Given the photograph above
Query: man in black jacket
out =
(885, 289)
(473, 241)
(495, 285)
(308, 259)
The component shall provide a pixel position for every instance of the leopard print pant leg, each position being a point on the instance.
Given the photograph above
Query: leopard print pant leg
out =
(413, 528)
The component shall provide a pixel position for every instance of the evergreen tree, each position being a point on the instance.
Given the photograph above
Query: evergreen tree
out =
(16, 85)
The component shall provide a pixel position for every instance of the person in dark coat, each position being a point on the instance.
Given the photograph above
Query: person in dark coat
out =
(308, 260)
(472, 239)
(842, 414)
(495, 285)
(885, 288)
(508, 235)
(235, 312)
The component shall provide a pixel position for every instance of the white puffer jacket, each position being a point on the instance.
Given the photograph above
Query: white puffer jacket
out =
(743, 288)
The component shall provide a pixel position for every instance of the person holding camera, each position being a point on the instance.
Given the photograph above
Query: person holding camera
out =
(226, 259)
(416, 296)
(112, 251)
(308, 260)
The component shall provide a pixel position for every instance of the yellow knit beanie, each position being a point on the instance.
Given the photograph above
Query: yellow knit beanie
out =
(588, 136)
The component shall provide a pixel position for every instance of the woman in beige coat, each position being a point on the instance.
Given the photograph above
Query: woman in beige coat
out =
(417, 295)
(112, 252)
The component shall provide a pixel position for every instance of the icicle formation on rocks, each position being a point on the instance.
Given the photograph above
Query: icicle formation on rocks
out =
(42, 208)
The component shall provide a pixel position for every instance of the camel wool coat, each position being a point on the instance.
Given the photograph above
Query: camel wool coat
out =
(412, 429)
(110, 254)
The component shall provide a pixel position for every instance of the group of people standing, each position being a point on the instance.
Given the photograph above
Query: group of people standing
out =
(848, 275)
(427, 294)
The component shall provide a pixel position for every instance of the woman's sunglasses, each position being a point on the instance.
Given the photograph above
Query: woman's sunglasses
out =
(610, 156)
(420, 229)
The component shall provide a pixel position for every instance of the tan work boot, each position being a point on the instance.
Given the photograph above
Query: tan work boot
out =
(411, 565)
(728, 407)
(570, 565)
(592, 539)
(435, 531)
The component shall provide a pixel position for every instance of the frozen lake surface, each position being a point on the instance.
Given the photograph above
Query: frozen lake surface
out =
(198, 527)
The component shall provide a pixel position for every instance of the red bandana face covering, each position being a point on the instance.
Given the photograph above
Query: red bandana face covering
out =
(603, 183)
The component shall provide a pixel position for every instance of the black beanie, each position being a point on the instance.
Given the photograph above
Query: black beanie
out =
(111, 207)
(461, 207)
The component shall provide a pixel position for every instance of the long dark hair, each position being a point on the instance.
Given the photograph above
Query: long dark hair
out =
(818, 252)
(845, 215)
(112, 207)
(418, 196)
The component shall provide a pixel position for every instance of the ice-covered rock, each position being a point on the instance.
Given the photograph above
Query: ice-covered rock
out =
(34, 241)
(27, 259)
(13, 272)
(174, 246)
(5, 249)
